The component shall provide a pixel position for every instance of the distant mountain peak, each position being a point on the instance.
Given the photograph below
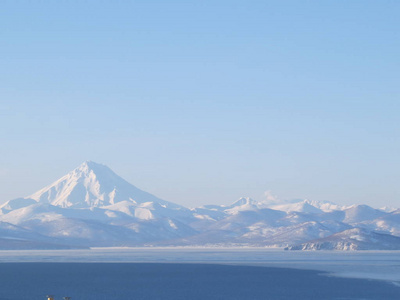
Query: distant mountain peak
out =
(244, 201)
(306, 205)
(92, 185)
(91, 166)
(93, 206)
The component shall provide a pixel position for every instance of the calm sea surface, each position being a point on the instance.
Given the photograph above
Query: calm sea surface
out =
(87, 281)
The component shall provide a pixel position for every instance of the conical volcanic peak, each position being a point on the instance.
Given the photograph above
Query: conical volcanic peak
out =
(93, 185)
(91, 166)
(93, 206)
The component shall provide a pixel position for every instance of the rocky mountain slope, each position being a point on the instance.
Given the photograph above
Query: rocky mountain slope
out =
(352, 239)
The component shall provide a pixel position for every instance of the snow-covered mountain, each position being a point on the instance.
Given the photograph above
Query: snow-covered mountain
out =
(352, 239)
(94, 185)
(93, 206)
(307, 206)
(12, 237)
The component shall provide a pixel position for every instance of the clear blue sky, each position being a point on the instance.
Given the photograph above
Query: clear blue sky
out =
(204, 101)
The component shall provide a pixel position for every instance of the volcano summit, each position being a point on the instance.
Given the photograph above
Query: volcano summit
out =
(93, 206)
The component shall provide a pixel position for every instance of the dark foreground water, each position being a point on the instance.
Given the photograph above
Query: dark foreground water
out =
(87, 281)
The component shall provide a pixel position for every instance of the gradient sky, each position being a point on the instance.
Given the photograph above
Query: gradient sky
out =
(203, 102)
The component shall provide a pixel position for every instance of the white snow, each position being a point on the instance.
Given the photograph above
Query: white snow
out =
(91, 205)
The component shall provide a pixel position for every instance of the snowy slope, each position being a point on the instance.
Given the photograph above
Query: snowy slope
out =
(352, 239)
(93, 206)
(388, 223)
(15, 237)
(94, 185)
(306, 206)
(361, 213)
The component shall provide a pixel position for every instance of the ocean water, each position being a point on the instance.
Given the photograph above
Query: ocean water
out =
(199, 273)
(186, 281)
(383, 265)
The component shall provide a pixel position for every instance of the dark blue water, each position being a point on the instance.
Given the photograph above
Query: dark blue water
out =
(87, 281)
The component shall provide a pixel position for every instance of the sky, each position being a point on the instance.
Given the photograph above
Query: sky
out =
(201, 102)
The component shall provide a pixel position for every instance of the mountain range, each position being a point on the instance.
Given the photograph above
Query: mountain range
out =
(92, 206)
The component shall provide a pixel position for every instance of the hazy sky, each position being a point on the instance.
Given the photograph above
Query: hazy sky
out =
(204, 102)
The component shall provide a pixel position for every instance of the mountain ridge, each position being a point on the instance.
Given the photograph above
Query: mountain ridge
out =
(93, 206)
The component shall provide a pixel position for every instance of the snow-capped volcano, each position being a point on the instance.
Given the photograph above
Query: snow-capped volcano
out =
(90, 185)
(93, 206)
